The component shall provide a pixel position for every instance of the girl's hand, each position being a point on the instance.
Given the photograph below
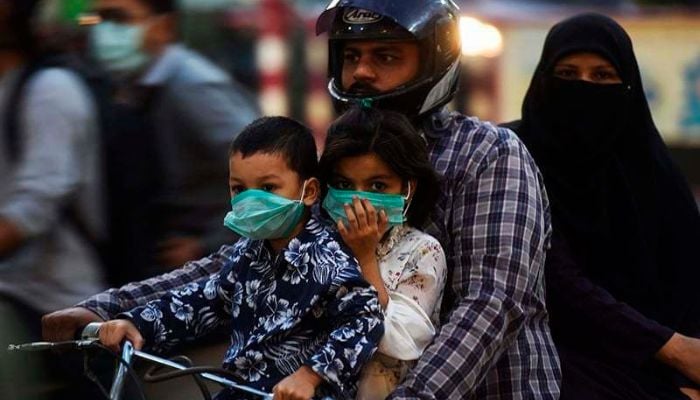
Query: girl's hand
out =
(365, 229)
(363, 233)
(114, 332)
(300, 385)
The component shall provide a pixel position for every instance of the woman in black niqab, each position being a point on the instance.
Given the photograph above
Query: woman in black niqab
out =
(624, 268)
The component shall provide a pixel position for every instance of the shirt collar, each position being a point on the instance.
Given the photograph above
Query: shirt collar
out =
(314, 230)
(393, 237)
(437, 125)
(164, 66)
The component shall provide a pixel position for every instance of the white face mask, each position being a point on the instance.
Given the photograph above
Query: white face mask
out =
(117, 47)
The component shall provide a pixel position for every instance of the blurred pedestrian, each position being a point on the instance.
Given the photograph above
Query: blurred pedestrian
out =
(622, 272)
(175, 113)
(50, 199)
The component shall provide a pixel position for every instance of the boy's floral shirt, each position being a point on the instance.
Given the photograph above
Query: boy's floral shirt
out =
(309, 305)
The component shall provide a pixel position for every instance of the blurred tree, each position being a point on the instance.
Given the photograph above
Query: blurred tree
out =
(72, 8)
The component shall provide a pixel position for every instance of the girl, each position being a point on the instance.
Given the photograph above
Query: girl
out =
(379, 186)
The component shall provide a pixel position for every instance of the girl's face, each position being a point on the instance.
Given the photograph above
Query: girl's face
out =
(366, 173)
(589, 67)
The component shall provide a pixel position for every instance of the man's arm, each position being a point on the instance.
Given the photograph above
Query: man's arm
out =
(63, 324)
(499, 229)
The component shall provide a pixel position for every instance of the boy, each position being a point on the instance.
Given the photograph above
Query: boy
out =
(302, 317)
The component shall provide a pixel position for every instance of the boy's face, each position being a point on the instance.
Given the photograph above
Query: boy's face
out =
(269, 172)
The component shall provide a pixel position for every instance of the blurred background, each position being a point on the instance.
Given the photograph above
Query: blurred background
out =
(271, 47)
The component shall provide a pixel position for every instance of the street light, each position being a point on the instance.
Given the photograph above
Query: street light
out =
(479, 39)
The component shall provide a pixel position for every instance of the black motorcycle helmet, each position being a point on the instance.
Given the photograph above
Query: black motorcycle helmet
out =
(433, 24)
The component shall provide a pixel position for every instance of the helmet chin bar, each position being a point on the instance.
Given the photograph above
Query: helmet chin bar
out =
(414, 100)
(443, 91)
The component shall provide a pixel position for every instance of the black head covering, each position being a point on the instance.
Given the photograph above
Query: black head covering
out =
(616, 196)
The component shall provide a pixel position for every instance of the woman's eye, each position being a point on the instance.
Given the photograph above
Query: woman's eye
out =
(237, 189)
(267, 188)
(605, 76)
(565, 73)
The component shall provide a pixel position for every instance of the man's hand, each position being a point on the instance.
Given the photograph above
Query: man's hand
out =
(64, 324)
(682, 353)
(300, 385)
(114, 332)
(176, 251)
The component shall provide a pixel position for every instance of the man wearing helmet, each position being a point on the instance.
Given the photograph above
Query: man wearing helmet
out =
(492, 216)
(373, 58)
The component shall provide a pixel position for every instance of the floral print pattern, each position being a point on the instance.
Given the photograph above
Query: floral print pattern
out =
(413, 264)
(306, 307)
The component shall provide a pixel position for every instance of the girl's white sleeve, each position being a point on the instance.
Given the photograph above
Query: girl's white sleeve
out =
(408, 329)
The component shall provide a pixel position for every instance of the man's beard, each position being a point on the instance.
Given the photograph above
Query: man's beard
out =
(363, 89)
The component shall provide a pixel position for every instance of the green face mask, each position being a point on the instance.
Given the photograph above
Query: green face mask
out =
(257, 214)
(117, 47)
(394, 205)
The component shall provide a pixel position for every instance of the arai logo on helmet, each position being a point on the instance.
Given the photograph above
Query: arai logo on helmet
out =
(360, 16)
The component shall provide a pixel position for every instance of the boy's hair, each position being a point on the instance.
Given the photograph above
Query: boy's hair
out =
(393, 138)
(279, 135)
(161, 6)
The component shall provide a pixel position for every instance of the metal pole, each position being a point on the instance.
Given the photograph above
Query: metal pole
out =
(211, 377)
(122, 369)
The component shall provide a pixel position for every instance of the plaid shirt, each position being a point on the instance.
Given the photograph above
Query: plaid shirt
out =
(492, 219)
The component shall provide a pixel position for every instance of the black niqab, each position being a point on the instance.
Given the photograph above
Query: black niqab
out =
(616, 196)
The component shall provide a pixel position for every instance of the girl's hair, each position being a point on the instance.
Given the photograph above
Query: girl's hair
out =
(392, 137)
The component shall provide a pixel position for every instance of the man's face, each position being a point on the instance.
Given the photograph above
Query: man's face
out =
(136, 12)
(372, 67)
